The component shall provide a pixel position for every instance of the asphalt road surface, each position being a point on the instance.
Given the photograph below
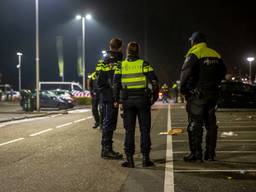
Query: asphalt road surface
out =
(61, 153)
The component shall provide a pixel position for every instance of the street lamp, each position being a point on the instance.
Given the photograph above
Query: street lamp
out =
(104, 53)
(83, 18)
(37, 56)
(250, 60)
(19, 67)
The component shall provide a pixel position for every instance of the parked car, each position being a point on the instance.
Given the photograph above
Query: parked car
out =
(65, 95)
(237, 95)
(50, 100)
(7, 93)
(74, 88)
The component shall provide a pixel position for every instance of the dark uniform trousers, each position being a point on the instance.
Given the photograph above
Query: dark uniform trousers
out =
(201, 112)
(95, 108)
(132, 108)
(109, 124)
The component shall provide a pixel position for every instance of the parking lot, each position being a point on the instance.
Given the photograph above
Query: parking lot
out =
(235, 168)
(62, 153)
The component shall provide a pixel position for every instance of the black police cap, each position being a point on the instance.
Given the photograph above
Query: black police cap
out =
(197, 37)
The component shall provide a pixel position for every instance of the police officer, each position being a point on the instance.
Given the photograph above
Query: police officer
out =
(132, 77)
(165, 92)
(105, 73)
(201, 75)
(96, 103)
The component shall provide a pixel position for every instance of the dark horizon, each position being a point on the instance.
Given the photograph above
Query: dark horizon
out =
(229, 27)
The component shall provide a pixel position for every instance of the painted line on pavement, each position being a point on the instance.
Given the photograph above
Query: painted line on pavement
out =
(219, 125)
(220, 132)
(39, 133)
(12, 141)
(79, 120)
(169, 175)
(242, 171)
(230, 152)
(84, 119)
(79, 111)
(64, 125)
(56, 115)
(220, 140)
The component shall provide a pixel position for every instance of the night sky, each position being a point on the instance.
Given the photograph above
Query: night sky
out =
(165, 25)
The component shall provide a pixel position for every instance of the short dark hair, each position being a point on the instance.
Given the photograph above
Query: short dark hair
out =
(115, 43)
(133, 48)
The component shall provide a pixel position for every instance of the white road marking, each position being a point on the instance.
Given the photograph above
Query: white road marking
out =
(79, 120)
(221, 140)
(79, 111)
(56, 115)
(242, 171)
(41, 132)
(219, 125)
(236, 126)
(239, 152)
(169, 175)
(64, 125)
(12, 141)
(240, 132)
(84, 119)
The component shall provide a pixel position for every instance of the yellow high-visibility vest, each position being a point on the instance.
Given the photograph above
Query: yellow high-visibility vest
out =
(133, 76)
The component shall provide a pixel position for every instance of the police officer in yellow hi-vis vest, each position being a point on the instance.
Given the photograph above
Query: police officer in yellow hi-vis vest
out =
(105, 70)
(201, 75)
(131, 80)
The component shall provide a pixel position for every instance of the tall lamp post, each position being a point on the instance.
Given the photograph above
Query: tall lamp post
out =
(37, 56)
(19, 67)
(250, 60)
(83, 18)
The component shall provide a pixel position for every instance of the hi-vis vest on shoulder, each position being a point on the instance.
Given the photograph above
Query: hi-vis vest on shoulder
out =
(133, 74)
(202, 51)
(209, 65)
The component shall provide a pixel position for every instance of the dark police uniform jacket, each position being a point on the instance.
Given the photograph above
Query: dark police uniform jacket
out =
(105, 73)
(202, 70)
(93, 88)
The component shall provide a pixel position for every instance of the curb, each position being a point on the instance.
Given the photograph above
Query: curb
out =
(30, 117)
(37, 114)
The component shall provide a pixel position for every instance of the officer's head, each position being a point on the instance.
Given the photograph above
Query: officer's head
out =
(197, 37)
(115, 44)
(133, 48)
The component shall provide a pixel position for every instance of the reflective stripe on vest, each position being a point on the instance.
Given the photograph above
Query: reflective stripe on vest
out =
(132, 75)
(93, 76)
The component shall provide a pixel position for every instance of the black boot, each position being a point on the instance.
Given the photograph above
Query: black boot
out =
(146, 162)
(211, 138)
(96, 125)
(129, 163)
(195, 140)
(192, 157)
(209, 156)
(110, 154)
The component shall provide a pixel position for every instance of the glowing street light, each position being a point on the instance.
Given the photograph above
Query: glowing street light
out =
(78, 17)
(104, 53)
(250, 60)
(88, 17)
(83, 18)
